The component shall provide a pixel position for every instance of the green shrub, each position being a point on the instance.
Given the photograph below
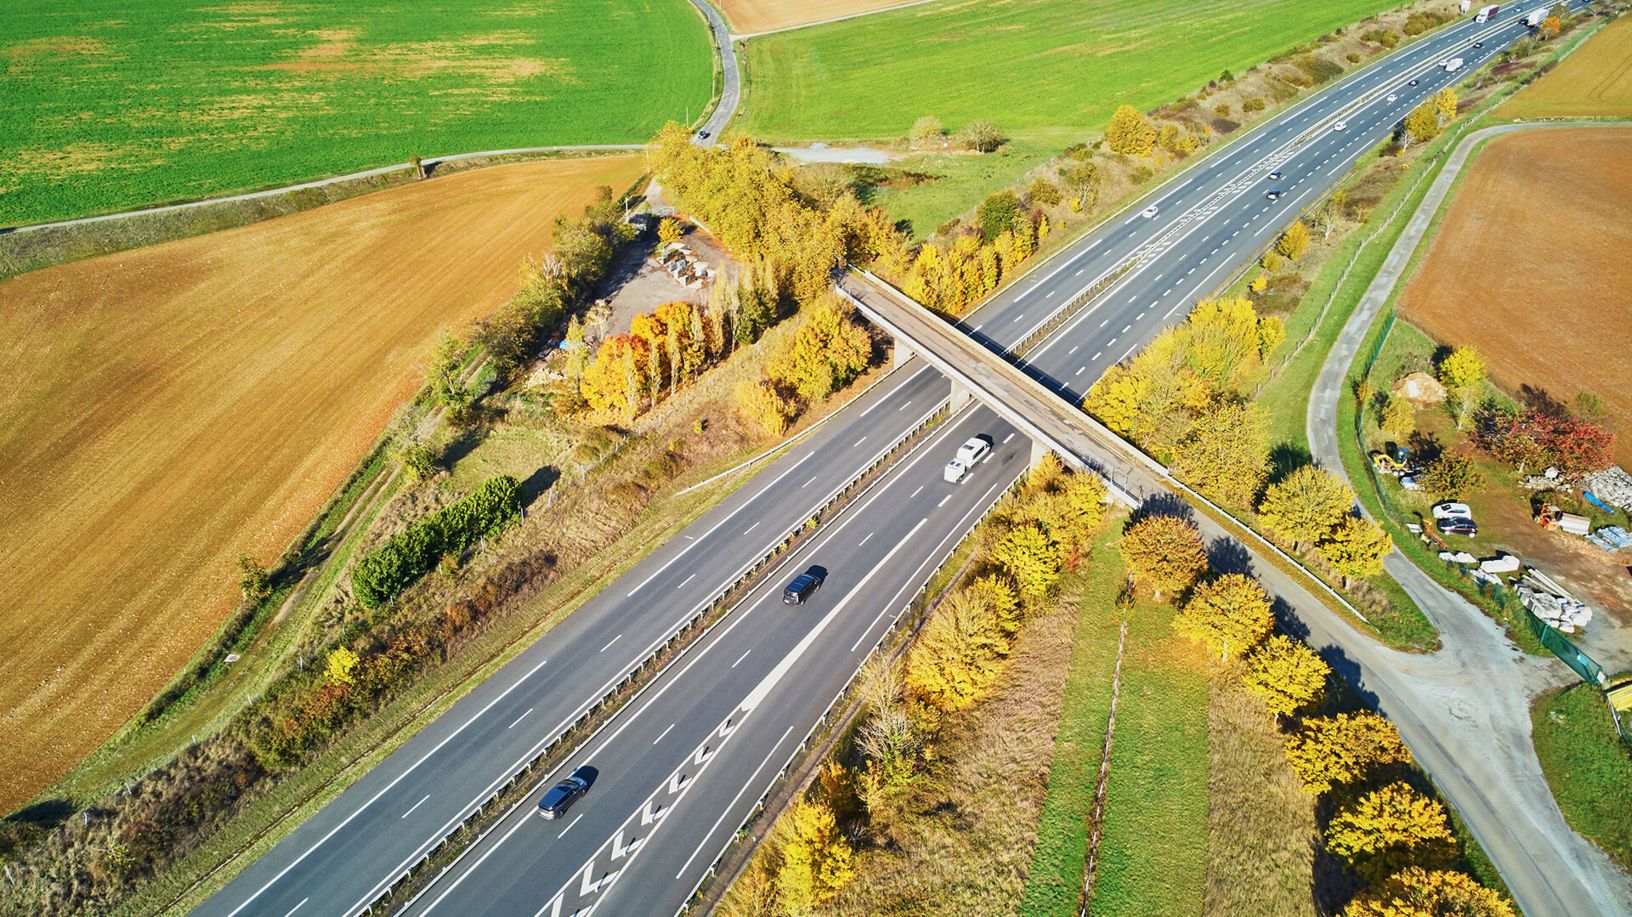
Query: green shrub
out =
(384, 572)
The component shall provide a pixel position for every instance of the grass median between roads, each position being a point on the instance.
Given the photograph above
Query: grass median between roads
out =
(1587, 766)
(1153, 856)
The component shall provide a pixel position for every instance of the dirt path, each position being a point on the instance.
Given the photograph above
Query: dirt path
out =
(1479, 680)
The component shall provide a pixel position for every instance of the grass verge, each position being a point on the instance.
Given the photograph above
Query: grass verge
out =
(1587, 766)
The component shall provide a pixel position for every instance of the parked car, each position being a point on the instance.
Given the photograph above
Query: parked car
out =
(561, 796)
(1148, 212)
(804, 586)
(1457, 525)
(1452, 510)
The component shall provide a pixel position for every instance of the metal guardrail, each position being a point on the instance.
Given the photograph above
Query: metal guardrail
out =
(680, 634)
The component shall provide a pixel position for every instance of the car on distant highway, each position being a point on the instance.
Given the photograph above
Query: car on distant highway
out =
(1414, 81)
(1274, 176)
(1273, 194)
(561, 796)
(804, 586)
(1478, 44)
(1393, 97)
(1341, 126)
(1148, 212)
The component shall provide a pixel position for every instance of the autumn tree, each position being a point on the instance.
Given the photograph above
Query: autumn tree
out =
(997, 594)
(1045, 473)
(1388, 829)
(1163, 554)
(1286, 674)
(1445, 103)
(1130, 132)
(442, 376)
(1330, 213)
(1082, 181)
(1074, 511)
(763, 406)
(1462, 368)
(1422, 124)
(1450, 476)
(1294, 242)
(957, 657)
(1332, 750)
(1545, 436)
(341, 666)
(1549, 28)
(670, 230)
(1399, 418)
(816, 857)
(253, 579)
(1226, 454)
(1028, 555)
(1228, 615)
(577, 350)
(825, 354)
(1306, 506)
(1418, 892)
(1356, 548)
(618, 377)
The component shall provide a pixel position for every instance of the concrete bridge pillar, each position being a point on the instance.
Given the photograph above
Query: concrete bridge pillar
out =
(903, 352)
(1038, 450)
(960, 397)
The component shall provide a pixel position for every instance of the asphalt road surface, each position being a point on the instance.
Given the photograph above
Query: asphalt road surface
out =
(1209, 221)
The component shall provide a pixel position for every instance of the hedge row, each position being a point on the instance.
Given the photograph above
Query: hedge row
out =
(410, 554)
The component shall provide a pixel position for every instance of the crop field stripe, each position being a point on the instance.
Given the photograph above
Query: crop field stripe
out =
(116, 106)
(871, 77)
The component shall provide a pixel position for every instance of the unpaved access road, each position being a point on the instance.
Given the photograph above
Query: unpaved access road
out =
(1481, 750)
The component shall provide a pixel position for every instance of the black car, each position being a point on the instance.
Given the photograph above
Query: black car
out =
(1415, 82)
(804, 586)
(702, 135)
(561, 796)
(1478, 44)
(1275, 175)
(1457, 525)
(1274, 194)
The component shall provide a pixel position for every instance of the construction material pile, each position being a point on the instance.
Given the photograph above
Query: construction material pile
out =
(1549, 601)
(1613, 486)
(1611, 538)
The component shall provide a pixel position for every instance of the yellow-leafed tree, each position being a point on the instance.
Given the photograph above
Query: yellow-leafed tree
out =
(1229, 615)
(1388, 829)
(816, 858)
(1306, 506)
(764, 407)
(1418, 892)
(1286, 674)
(1445, 101)
(1356, 548)
(341, 667)
(1294, 242)
(1332, 750)
(615, 381)
(1028, 555)
(1226, 454)
(1163, 554)
(824, 355)
(1130, 132)
(959, 654)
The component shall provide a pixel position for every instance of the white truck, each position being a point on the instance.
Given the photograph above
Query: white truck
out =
(1486, 13)
(1535, 17)
(1453, 65)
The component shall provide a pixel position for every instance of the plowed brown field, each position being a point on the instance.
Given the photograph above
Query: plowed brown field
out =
(749, 16)
(1531, 266)
(165, 409)
(1594, 81)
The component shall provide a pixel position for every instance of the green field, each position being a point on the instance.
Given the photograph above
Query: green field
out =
(1587, 766)
(113, 104)
(1028, 65)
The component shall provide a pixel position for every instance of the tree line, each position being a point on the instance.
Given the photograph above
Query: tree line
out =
(1396, 839)
(1036, 532)
(406, 556)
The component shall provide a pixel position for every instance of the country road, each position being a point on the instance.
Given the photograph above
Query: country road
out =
(1480, 682)
(681, 766)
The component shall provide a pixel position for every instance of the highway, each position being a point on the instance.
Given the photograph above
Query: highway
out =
(1210, 221)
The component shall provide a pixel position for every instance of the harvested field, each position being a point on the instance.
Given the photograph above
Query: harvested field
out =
(112, 106)
(750, 16)
(1594, 81)
(1529, 266)
(177, 405)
